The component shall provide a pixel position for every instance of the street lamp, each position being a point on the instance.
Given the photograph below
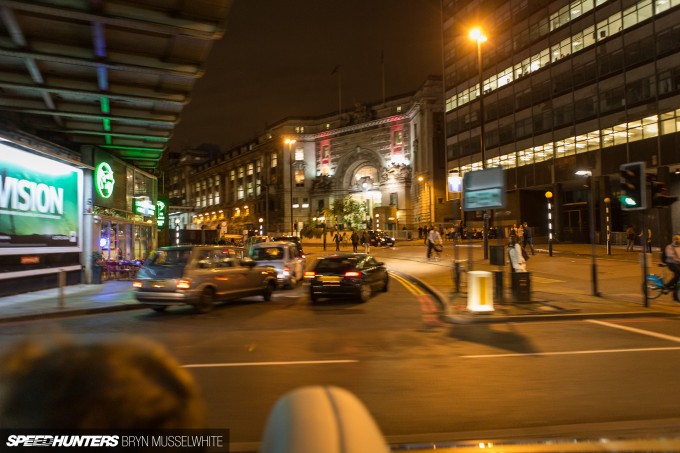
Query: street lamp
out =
(290, 142)
(548, 196)
(591, 221)
(477, 35)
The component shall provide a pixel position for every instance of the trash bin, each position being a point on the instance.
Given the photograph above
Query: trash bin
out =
(497, 255)
(521, 286)
(97, 275)
(480, 291)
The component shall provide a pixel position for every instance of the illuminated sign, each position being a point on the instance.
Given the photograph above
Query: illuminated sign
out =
(161, 214)
(484, 189)
(104, 180)
(40, 203)
(144, 206)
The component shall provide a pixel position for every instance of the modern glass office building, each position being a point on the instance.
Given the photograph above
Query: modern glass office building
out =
(566, 86)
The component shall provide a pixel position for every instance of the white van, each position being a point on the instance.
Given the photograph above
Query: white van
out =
(282, 256)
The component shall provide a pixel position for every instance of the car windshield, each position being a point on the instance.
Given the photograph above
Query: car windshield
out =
(266, 253)
(336, 265)
(170, 258)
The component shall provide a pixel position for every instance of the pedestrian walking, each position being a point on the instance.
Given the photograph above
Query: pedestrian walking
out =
(434, 242)
(338, 239)
(648, 245)
(528, 239)
(517, 261)
(671, 257)
(365, 240)
(630, 238)
(355, 241)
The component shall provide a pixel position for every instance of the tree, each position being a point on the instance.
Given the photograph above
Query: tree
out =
(348, 211)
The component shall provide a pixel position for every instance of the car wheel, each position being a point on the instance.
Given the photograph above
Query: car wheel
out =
(268, 290)
(313, 297)
(365, 292)
(206, 302)
(159, 308)
(385, 284)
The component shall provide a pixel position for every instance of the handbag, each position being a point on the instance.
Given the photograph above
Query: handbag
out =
(438, 248)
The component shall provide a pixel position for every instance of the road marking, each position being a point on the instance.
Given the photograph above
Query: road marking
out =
(546, 280)
(299, 362)
(640, 331)
(595, 351)
(414, 289)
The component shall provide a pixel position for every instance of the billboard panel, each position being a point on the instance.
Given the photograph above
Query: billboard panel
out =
(40, 204)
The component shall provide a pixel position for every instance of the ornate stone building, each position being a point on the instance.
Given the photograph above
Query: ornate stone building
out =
(387, 156)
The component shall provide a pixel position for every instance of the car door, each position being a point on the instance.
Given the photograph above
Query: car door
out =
(296, 261)
(371, 269)
(233, 279)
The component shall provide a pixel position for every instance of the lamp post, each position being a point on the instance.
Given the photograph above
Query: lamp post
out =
(477, 35)
(548, 196)
(290, 142)
(591, 221)
(608, 218)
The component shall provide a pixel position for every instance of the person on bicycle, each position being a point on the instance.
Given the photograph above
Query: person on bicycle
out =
(672, 253)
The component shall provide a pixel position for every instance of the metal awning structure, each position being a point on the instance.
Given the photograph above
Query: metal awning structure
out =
(113, 74)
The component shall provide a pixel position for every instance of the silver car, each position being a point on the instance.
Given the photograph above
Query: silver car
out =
(285, 257)
(201, 276)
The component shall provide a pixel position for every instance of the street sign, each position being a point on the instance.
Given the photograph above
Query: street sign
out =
(484, 189)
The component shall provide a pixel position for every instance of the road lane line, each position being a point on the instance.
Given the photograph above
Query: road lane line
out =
(594, 351)
(640, 331)
(413, 289)
(299, 362)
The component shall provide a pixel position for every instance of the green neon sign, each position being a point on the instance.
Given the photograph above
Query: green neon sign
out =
(104, 180)
(161, 213)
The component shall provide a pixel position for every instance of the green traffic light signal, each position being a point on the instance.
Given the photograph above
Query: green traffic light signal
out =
(633, 186)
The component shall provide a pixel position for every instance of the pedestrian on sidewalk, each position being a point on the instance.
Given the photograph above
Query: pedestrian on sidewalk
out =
(630, 238)
(528, 238)
(338, 239)
(648, 245)
(365, 240)
(355, 241)
(672, 260)
(517, 261)
(434, 241)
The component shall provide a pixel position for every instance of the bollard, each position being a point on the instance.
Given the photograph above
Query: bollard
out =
(480, 292)
(62, 284)
(456, 275)
(498, 286)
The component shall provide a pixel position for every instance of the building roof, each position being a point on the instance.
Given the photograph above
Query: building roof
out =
(114, 74)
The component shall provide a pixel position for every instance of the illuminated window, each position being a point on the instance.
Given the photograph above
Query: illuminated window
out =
(240, 192)
(250, 169)
(299, 178)
(299, 154)
(397, 138)
(232, 175)
(241, 172)
(273, 158)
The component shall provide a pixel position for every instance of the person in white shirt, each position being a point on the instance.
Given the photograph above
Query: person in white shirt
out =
(517, 262)
(672, 258)
(433, 238)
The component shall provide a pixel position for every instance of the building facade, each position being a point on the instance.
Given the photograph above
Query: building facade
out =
(567, 86)
(388, 157)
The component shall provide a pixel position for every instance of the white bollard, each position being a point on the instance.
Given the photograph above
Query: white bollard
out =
(480, 292)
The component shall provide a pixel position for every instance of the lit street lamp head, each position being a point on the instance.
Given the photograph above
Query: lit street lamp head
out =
(476, 34)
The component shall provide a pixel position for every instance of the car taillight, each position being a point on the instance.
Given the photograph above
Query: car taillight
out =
(352, 274)
(310, 274)
(183, 284)
(136, 284)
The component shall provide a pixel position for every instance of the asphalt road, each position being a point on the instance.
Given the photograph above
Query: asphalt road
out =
(422, 384)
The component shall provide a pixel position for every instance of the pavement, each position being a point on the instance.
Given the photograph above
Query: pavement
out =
(561, 286)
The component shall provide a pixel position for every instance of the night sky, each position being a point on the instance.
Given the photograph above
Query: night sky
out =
(276, 58)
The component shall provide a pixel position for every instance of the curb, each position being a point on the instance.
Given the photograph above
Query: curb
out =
(68, 313)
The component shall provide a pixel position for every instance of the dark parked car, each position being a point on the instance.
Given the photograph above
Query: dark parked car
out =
(200, 276)
(381, 239)
(346, 274)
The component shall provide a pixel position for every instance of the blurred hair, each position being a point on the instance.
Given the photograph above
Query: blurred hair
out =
(125, 383)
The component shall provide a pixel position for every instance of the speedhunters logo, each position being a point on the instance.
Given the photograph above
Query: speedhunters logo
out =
(36, 440)
(184, 440)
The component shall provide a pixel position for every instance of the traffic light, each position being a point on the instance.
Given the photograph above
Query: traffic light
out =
(633, 186)
(660, 194)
